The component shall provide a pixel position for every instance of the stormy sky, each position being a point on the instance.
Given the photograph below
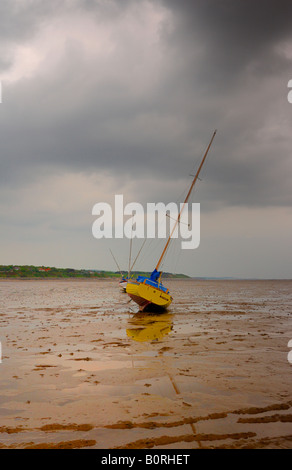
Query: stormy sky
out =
(105, 97)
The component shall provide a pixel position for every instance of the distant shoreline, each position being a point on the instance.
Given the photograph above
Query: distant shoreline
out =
(94, 279)
(91, 279)
(31, 272)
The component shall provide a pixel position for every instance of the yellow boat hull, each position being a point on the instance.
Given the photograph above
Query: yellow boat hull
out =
(147, 296)
(149, 327)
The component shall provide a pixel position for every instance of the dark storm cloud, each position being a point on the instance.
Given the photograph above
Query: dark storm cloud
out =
(220, 66)
(233, 34)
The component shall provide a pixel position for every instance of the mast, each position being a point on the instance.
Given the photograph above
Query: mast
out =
(185, 201)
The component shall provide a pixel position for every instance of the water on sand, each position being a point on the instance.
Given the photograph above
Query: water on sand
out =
(80, 368)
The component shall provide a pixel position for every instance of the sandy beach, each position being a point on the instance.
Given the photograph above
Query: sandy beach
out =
(82, 369)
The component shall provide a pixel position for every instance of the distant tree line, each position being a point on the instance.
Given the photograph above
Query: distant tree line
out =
(12, 271)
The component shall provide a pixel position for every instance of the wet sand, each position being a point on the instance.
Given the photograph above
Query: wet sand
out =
(81, 369)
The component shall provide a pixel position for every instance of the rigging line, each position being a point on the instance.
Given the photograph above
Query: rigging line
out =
(151, 248)
(178, 222)
(148, 250)
(186, 199)
(119, 269)
(129, 270)
(181, 196)
(176, 263)
(138, 253)
(173, 255)
(184, 223)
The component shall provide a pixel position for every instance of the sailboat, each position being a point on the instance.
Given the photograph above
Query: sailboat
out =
(123, 283)
(149, 292)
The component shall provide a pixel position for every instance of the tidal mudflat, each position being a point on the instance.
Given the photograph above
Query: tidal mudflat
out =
(82, 369)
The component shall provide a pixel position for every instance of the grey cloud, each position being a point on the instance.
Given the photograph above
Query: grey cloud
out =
(220, 69)
(20, 20)
(232, 34)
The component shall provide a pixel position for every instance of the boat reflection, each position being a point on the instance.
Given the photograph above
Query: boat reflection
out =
(149, 327)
